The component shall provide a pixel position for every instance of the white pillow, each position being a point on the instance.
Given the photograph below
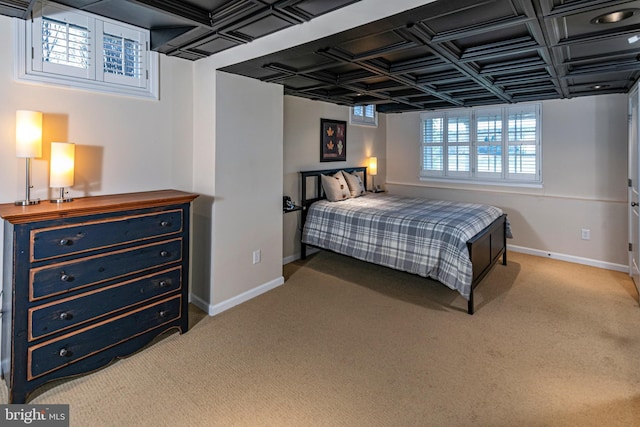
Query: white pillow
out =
(356, 187)
(335, 187)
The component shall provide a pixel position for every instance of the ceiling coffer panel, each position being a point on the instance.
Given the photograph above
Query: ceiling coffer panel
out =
(15, 8)
(443, 54)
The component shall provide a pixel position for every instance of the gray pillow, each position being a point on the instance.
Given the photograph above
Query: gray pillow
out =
(356, 187)
(335, 187)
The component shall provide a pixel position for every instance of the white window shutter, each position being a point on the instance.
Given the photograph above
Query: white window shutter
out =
(523, 137)
(123, 55)
(61, 42)
(432, 144)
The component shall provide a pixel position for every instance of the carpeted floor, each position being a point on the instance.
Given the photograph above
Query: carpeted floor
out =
(346, 343)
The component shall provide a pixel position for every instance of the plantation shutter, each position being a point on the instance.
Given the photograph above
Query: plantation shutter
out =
(123, 55)
(458, 143)
(62, 43)
(489, 143)
(523, 142)
(432, 145)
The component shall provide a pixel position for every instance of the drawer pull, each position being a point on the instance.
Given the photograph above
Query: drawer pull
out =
(163, 283)
(64, 242)
(165, 224)
(164, 254)
(164, 313)
(64, 316)
(65, 277)
(63, 352)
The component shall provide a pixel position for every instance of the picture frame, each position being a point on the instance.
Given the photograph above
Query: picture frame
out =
(333, 140)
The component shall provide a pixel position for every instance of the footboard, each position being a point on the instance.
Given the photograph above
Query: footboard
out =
(485, 249)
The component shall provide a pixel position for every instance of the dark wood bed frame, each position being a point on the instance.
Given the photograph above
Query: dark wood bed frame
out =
(485, 248)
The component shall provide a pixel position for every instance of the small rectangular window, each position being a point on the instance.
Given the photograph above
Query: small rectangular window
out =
(70, 47)
(363, 115)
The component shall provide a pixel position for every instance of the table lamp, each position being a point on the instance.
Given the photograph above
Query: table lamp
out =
(373, 171)
(61, 168)
(28, 146)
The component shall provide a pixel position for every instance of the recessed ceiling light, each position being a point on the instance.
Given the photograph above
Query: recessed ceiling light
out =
(596, 87)
(614, 17)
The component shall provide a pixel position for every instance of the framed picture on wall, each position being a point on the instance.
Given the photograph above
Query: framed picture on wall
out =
(333, 140)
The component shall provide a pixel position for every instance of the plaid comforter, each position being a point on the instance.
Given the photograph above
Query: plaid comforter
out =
(424, 237)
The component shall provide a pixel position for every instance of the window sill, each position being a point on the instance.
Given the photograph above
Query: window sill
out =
(459, 183)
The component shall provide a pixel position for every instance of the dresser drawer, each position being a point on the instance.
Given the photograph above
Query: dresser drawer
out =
(66, 276)
(60, 352)
(60, 315)
(53, 242)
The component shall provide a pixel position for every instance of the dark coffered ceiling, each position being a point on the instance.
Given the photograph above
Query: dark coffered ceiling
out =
(448, 53)
(458, 53)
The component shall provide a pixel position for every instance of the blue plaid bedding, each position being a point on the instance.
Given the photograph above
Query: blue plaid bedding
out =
(420, 236)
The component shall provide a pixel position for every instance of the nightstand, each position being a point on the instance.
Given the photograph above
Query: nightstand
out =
(295, 208)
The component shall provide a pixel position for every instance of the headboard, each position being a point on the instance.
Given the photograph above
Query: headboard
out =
(306, 199)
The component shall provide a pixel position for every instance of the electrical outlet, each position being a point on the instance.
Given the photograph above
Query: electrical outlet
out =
(586, 234)
(256, 256)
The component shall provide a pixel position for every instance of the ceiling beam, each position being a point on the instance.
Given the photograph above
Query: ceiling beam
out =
(379, 69)
(420, 32)
(179, 9)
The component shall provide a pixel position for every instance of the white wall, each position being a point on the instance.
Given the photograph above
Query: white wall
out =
(584, 173)
(248, 176)
(123, 144)
(238, 171)
(302, 152)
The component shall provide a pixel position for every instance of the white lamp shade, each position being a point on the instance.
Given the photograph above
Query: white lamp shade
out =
(28, 133)
(62, 164)
(373, 166)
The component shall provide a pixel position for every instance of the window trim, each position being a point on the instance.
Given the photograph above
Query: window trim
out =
(25, 72)
(475, 177)
(364, 120)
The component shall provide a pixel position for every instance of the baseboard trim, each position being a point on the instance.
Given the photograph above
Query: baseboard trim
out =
(198, 302)
(212, 310)
(289, 259)
(569, 258)
(292, 258)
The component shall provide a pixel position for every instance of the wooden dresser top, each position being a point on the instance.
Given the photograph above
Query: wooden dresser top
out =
(81, 206)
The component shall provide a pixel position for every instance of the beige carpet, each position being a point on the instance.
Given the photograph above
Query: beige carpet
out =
(346, 343)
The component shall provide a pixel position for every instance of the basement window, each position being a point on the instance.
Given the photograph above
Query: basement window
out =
(499, 145)
(364, 115)
(72, 48)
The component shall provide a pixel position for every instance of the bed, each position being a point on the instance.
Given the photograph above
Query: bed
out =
(452, 242)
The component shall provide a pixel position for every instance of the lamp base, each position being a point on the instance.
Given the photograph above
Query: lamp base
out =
(66, 199)
(61, 198)
(27, 202)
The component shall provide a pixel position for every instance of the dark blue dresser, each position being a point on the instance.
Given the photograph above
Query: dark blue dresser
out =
(90, 281)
